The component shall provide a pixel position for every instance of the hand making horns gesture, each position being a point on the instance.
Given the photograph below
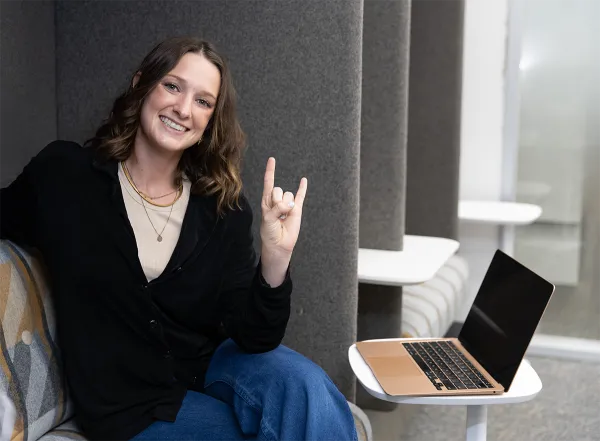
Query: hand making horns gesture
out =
(281, 214)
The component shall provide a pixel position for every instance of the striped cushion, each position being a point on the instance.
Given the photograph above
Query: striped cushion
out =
(428, 309)
(30, 372)
(362, 423)
(65, 432)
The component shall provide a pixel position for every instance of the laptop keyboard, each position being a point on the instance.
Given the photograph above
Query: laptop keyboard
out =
(446, 366)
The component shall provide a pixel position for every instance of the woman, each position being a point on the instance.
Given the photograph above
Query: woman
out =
(169, 329)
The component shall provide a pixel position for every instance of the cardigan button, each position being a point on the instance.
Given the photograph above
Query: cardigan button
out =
(153, 323)
(167, 354)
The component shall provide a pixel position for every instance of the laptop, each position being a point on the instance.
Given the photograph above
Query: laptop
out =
(484, 359)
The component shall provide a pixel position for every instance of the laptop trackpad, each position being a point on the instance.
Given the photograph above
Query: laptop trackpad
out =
(394, 368)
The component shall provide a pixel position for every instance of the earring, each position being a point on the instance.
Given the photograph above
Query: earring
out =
(200, 140)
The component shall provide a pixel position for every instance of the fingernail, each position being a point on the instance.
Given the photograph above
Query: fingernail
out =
(291, 204)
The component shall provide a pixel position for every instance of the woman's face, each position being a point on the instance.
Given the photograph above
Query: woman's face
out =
(175, 114)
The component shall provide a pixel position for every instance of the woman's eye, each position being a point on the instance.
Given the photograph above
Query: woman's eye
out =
(171, 86)
(203, 102)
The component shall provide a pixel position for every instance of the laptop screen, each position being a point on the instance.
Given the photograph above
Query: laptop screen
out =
(504, 316)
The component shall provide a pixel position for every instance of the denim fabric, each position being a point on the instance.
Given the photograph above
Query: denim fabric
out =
(276, 395)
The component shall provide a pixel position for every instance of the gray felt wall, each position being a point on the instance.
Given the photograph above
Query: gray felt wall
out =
(383, 123)
(297, 68)
(434, 118)
(386, 47)
(27, 78)
(383, 153)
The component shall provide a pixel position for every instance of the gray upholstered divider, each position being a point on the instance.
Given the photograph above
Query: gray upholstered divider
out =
(383, 123)
(434, 118)
(297, 70)
(28, 94)
(383, 153)
(383, 161)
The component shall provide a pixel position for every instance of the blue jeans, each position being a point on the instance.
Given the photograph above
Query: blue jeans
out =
(277, 395)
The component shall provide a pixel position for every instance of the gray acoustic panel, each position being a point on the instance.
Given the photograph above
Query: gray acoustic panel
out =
(27, 83)
(386, 50)
(376, 304)
(384, 116)
(379, 316)
(434, 118)
(297, 69)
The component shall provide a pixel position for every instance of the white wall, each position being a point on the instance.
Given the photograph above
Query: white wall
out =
(482, 125)
(485, 33)
(557, 77)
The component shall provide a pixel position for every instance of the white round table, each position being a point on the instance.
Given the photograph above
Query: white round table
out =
(498, 212)
(506, 215)
(525, 387)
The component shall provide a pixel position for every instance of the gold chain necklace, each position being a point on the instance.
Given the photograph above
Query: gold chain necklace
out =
(159, 237)
(158, 197)
(146, 197)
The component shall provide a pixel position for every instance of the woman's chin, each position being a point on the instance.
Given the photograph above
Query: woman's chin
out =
(169, 147)
(173, 145)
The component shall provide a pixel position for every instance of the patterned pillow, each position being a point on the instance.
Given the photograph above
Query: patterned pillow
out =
(30, 371)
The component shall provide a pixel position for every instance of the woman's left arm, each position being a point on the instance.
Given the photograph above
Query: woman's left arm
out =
(255, 301)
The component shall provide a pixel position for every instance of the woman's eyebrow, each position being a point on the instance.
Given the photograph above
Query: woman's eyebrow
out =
(185, 82)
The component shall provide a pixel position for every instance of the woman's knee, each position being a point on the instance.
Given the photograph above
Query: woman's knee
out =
(285, 363)
(281, 364)
(277, 391)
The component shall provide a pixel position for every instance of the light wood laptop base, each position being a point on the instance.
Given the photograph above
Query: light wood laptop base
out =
(399, 374)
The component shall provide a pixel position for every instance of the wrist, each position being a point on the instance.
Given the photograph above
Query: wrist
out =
(274, 266)
(272, 255)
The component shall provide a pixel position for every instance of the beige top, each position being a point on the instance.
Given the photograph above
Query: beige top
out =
(153, 255)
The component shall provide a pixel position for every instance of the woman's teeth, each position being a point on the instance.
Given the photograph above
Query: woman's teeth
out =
(172, 124)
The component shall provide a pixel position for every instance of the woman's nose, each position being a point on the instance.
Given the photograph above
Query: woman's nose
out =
(182, 107)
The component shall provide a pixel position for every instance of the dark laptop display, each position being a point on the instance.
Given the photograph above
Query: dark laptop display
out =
(497, 332)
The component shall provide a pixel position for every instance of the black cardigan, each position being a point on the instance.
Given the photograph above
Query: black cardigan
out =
(131, 348)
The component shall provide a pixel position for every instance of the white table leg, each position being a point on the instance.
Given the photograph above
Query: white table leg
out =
(476, 423)
(508, 235)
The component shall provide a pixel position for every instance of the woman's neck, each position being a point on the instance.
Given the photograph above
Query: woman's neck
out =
(152, 173)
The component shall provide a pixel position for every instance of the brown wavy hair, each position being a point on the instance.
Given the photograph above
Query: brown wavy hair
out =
(214, 165)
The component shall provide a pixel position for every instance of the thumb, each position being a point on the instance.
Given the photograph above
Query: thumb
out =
(282, 209)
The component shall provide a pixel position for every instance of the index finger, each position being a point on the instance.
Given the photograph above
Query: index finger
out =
(269, 181)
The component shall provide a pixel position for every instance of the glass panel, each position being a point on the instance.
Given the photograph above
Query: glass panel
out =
(559, 158)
